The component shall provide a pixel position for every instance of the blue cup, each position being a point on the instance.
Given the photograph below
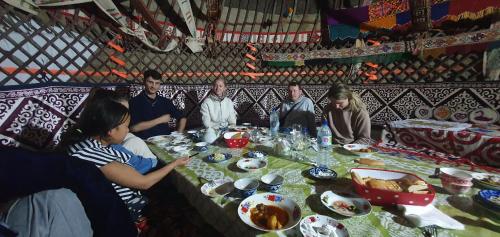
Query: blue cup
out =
(246, 187)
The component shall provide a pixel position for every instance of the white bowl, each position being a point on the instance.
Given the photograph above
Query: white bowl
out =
(270, 199)
(249, 164)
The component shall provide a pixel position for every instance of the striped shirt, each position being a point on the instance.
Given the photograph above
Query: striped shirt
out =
(93, 151)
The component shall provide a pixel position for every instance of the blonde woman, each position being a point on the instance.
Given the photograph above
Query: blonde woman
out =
(217, 110)
(347, 116)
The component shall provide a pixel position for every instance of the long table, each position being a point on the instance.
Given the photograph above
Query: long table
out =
(221, 212)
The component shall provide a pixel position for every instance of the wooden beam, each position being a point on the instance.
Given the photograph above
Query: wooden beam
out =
(141, 8)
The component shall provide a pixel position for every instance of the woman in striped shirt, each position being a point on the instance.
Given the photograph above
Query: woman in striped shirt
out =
(101, 124)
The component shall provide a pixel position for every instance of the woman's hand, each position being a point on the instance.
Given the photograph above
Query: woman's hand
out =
(182, 161)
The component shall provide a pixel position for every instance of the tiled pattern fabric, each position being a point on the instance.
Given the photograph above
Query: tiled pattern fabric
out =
(37, 116)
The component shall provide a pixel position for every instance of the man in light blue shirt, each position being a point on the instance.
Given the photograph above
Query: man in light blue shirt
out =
(297, 109)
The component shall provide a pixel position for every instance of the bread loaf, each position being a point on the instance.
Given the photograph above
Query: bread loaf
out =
(389, 185)
(366, 161)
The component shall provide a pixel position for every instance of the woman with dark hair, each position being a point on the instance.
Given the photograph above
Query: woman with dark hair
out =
(142, 159)
(347, 116)
(101, 124)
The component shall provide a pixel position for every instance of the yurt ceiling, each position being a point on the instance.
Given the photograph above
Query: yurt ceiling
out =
(247, 41)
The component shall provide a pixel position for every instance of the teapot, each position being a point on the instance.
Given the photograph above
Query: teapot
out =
(210, 135)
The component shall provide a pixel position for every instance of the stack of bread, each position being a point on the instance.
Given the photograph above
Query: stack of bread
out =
(395, 185)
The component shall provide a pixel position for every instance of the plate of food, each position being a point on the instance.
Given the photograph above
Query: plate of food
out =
(362, 150)
(442, 112)
(256, 154)
(488, 181)
(269, 212)
(218, 157)
(249, 164)
(218, 187)
(390, 187)
(322, 172)
(484, 116)
(423, 112)
(319, 225)
(346, 206)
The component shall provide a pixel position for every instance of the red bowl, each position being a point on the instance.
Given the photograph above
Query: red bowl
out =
(235, 142)
(386, 197)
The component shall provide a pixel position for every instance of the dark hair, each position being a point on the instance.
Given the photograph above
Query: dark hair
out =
(103, 94)
(153, 74)
(96, 119)
(343, 92)
(295, 83)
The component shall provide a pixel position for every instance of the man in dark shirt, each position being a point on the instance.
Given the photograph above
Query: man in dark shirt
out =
(150, 112)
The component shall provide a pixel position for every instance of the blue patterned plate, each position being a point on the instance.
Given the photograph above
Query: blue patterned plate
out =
(491, 198)
(256, 154)
(218, 157)
(322, 173)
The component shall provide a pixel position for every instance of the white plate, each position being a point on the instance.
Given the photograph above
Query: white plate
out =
(181, 149)
(315, 225)
(478, 179)
(355, 147)
(339, 204)
(250, 164)
(271, 199)
(218, 187)
(459, 116)
(483, 116)
(159, 139)
(423, 112)
(442, 112)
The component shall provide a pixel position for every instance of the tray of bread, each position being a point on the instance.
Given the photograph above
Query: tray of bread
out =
(389, 187)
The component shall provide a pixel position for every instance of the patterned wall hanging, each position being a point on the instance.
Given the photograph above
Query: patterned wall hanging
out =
(383, 52)
(395, 15)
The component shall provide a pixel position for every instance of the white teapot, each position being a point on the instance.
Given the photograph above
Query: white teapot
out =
(210, 135)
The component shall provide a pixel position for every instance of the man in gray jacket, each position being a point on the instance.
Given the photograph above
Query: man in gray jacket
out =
(297, 109)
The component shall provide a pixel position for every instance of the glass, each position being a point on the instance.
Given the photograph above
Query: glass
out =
(297, 138)
(296, 128)
(223, 126)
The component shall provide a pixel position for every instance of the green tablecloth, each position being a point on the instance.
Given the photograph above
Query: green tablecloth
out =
(382, 221)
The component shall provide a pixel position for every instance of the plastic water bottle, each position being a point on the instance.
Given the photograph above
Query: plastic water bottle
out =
(325, 143)
(274, 122)
(325, 136)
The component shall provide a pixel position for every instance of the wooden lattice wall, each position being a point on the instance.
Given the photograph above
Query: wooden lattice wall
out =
(53, 47)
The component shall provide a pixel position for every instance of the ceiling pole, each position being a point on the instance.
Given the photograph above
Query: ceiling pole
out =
(244, 20)
(421, 15)
(254, 20)
(141, 8)
(235, 22)
(294, 8)
(306, 8)
(227, 18)
(163, 38)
